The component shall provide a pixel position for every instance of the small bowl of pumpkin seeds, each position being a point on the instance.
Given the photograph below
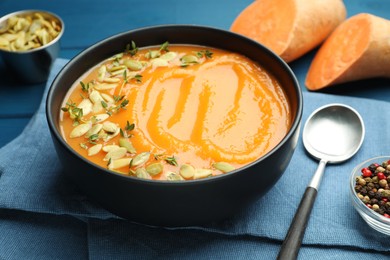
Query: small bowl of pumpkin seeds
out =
(29, 43)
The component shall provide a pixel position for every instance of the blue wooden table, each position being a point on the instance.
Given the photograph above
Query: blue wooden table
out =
(43, 217)
(87, 22)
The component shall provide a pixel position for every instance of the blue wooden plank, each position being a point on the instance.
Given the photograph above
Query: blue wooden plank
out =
(88, 22)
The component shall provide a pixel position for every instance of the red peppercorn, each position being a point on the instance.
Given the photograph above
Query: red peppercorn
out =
(386, 215)
(385, 199)
(366, 172)
(381, 176)
(369, 206)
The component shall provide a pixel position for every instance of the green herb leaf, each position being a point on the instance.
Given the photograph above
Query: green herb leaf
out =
(129, 127)
(124, 104)
(157, 156)
(122, 133)
(164, 46)
(171, 160)
(84, 146)
(84, 87)
(125, 76)
(118, 98)
(93, 138)
(138, 78)
(132, 48)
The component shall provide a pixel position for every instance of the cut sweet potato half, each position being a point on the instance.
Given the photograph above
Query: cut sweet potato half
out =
(290, 28)
(358, 49)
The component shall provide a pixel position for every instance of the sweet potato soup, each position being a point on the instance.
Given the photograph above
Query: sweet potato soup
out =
(175, 112)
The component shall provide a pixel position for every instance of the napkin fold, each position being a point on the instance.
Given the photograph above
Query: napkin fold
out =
(33, 190)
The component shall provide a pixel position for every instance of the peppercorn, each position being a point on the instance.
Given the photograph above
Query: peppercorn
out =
(383, 183)
(366, 172)
(366, 199)
(374, 201)
(372, 187)
(361, 182)
(381, 175)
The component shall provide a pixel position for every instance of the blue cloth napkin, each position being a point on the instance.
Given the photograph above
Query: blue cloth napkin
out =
(44, 216)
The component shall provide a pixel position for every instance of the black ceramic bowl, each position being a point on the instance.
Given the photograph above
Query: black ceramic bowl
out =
(190, 202)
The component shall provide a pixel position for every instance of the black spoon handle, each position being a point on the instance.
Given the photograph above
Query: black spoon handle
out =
(293, 240)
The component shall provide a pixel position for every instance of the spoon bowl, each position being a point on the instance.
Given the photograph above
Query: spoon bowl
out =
(332, 134)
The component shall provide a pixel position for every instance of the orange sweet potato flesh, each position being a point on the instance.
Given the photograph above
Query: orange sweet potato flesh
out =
(290, 28)
(358, 49)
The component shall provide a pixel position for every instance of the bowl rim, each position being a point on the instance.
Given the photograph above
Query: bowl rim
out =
(358, 204)
(295, 125)
(28, 11)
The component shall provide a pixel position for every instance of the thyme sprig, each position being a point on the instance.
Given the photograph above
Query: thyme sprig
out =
(164, 46)
(85, 87)
(171, 160)
(131, 48)
(206, 53)
(121, 103)
(74, 112)
(128, 128)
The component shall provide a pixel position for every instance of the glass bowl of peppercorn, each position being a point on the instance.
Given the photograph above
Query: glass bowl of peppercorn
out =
(370, 192)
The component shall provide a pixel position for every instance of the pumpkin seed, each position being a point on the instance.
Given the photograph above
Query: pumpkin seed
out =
(29, 32)
(152, 54)
(102, 72)
(202, 173)
(133, 65)
(173, 176)
(142, 173)
(115, 154)
(107, 98)
(95, 129)
(100, 118)
(158, 62)
(97, 107)
(119, 163)
(116, 56)
(169, 56)
(154, 168)
(110, 147)
(187, 171)
(105, 86)
(118, 72)
(109, 136)
(102, 134)
(110, 127)
(223, 166)
(187, 59)
(124, 142)
(86, 106)
(111, 80)
(140, 159)
(119, 67)
(93, 150)
(95, 97)
(80, 130)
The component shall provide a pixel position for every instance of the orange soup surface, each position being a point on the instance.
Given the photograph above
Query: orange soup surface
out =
(175, 112)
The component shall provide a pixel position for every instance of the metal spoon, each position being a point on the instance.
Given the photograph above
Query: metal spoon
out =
(332, 134)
